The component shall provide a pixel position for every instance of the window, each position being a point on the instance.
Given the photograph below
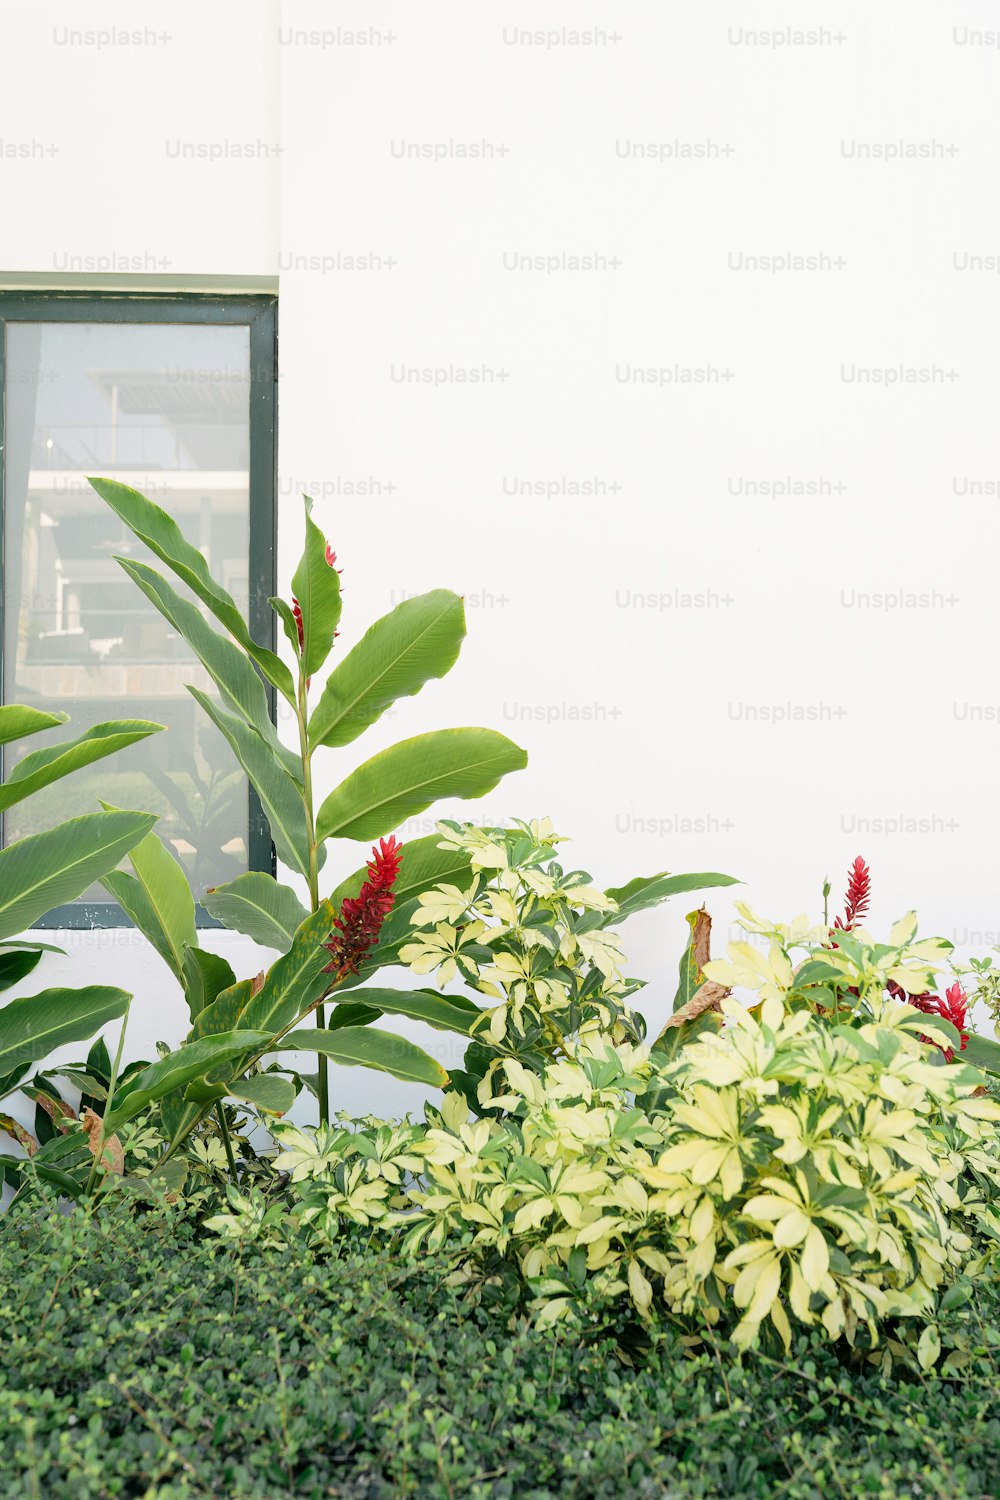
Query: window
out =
(173, 395)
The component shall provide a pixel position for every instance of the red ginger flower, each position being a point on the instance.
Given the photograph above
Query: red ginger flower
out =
(857, 898)
(361, 916)
(954, 1008)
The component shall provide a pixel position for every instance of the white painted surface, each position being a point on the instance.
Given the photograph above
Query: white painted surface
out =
(667, 771)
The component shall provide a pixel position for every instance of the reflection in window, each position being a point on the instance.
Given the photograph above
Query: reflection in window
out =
(164, 408)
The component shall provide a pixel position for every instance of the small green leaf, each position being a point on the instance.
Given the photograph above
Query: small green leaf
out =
(649, 890)
(296, 979)
(223, 1014)
(316, 586)
(17, 721)
(256, 905)
(443, 1012)
(982, 1053)
(178, 1069)
(205, 976)
(268, 1091)
(166, 917)
(16, 965)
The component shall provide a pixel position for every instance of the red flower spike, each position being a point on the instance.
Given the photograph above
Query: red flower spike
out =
(361, 916)
(857, 897)
(954, 1008)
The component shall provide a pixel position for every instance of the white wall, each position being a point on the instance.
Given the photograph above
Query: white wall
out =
(575, 604)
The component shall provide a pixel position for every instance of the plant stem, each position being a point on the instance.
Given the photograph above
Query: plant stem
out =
(112, 1081)
(220, 1114)
(302, 715)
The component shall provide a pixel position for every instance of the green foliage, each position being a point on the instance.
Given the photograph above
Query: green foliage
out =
(791, 1178)
(44, 870)
(175, 1368)
(414, 643)
(531, 938)
(768, 1175)
(35, 1025)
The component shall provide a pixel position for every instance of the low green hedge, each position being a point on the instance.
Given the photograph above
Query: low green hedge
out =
(141, 1359)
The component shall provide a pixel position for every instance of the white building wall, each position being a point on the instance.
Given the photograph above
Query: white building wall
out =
(681, 649)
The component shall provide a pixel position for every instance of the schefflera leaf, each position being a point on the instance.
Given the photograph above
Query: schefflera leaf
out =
(418, 640)
(316, 587)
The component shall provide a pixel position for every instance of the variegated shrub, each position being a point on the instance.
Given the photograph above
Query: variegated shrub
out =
(782, 1173)
(791, 1163)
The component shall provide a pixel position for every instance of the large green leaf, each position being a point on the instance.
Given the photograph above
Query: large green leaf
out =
(168, 911)
(281, 798)
(403, 780)
(443, 1012)
(31, 1027)
(177, 1070)
(364, 1047)
(163, 536)
(230, 668)
(17, 721)
(649, 890)
(42, 767)
(316, 586)
(259, 907)
(295, 980)
(981, 1052)
(46, 869)
(418, 640)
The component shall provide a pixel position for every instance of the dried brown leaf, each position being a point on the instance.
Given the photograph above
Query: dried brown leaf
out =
(112, 1155)
(57, 1110)
(701, 939)
(707, 997)
(21, 1135)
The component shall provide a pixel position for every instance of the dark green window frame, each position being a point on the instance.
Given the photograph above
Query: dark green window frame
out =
(260, 314)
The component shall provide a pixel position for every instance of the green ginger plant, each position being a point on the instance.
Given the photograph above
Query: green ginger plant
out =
(334, 941)
(364, 921)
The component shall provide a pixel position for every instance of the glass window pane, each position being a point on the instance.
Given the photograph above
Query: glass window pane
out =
(165, 408)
